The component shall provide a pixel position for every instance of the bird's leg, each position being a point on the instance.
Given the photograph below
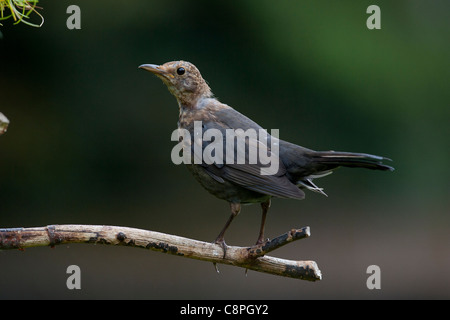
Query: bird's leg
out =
(235, 209)
(265, 208)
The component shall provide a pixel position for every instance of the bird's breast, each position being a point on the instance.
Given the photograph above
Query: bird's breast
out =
(188, 116)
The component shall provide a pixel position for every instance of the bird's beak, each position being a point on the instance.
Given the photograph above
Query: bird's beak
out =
(153, 68)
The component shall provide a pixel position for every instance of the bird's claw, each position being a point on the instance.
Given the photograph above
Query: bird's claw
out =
(224, 246)
(215, 267)
(261, 241)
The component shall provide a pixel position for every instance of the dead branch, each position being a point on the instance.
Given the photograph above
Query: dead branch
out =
(252, 258)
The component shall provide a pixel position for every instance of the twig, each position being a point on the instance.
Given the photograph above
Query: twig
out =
(246, 257)
(4, 122)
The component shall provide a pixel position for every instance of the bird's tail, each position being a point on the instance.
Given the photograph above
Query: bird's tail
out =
(333, 159)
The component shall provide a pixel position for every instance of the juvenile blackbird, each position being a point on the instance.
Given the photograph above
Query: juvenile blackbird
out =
(244, 183)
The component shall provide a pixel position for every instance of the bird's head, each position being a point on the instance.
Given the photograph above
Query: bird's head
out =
(182, 79)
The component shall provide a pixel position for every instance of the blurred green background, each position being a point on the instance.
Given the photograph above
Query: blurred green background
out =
(89, 143)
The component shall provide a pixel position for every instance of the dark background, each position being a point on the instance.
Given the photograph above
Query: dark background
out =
(89, 143)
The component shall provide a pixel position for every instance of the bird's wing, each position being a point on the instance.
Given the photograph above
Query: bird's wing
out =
(239, 164)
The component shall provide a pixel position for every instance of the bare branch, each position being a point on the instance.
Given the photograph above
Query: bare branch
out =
(271, 245)
(246, 257)
(4, 122)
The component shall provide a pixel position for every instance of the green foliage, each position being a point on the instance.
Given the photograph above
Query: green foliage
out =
(20, 11)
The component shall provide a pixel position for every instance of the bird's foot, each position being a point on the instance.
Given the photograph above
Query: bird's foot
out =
(221, 242)
(261, 241)
(257, 248)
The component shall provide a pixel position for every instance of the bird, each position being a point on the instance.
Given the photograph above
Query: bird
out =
(244, 183)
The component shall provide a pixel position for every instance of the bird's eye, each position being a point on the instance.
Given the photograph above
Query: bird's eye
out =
(181, 71)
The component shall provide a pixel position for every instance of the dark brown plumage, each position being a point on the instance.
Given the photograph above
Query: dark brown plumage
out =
(243, 183)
